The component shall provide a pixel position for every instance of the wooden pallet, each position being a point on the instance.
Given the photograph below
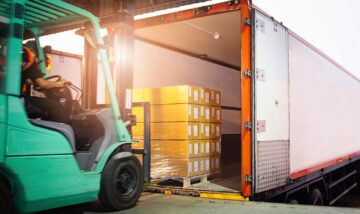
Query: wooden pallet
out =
(187, 182)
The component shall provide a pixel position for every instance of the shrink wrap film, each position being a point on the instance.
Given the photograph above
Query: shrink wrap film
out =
(169, 113)
(169, 130)
(173, 167)
(215, 166)
(152, 95)
(185, 130)
(215, 130)
(215, 98)
(215, 114)
(180, 149)
(181, 94)
(204, 96)
(168, 95)
(205, 131)
(204, 114)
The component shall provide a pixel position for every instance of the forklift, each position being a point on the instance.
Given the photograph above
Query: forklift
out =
(46, 164)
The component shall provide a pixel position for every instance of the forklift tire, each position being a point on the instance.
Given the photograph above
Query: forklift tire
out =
(122, 183)
(6, 202)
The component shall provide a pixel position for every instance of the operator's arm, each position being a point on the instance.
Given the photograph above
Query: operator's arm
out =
(46, 85)
(36, 77)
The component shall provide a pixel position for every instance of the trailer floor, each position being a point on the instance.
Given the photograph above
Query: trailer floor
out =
(159, 203)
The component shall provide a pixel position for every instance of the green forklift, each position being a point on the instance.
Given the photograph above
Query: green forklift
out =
(46, 164)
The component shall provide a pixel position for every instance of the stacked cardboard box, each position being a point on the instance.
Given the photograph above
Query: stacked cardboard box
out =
(185, 130)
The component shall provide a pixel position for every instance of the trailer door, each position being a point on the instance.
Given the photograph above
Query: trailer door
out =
(271, 103)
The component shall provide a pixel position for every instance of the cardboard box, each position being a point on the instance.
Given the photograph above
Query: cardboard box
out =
(169, 131)
(204, 148)
(215, 147)
(215, 130)
(205, 131)
(215, 114)
(215, 164)
(215, 98)
(204, 114)
(182, 149)
(169, 113)
(158, 148)
(176, 95)
(172, 167)
(204, 165)
(152, 95)
(182, 94)
(204, 96)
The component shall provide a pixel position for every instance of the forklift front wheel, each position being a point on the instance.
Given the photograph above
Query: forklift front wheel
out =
(6, 202)
(122, 183)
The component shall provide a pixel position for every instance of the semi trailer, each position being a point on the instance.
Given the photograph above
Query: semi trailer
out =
(289, 111)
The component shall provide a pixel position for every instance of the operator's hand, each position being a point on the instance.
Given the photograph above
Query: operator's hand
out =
(62, 83)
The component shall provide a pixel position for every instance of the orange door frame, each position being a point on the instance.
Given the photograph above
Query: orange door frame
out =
(246, 106)
(246, 101)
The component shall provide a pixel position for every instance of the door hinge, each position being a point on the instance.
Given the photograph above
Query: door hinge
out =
(248, 179)
(247, 21)
(247, 73)
(248, 125)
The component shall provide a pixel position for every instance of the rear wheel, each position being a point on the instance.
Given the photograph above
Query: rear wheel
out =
(316, 198)
(122, 182)
(6, 202)
(293, 201)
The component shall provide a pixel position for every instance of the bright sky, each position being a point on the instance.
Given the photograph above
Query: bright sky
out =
(330, 25)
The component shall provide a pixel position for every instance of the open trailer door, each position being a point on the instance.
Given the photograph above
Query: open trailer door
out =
(271, 103)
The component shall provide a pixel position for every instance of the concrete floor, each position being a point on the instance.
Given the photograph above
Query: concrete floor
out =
(165, 204)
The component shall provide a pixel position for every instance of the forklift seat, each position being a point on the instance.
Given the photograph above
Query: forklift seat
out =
(64, 129)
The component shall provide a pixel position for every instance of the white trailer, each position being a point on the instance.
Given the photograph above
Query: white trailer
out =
(290, 112)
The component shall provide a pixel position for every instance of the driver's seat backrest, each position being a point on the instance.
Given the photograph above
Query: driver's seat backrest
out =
(62, 128)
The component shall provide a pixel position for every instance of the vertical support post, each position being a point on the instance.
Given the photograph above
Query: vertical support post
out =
(124, 54)
(147, 146)
(37, 33)
(13, 67)
(89, 77)
(246, 101)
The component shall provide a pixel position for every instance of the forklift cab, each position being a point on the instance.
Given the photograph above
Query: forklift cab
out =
(41, 163)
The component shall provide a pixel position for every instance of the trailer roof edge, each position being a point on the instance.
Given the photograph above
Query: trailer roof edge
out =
(311, 46)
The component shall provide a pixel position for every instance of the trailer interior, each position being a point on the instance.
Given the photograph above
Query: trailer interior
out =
(203, 51)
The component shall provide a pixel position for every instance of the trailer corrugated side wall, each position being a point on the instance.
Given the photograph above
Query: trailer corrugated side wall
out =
(306, 107)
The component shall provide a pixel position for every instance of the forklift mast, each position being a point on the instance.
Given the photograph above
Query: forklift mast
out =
(118, 18)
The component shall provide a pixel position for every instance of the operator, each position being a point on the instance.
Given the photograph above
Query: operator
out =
(49, 109)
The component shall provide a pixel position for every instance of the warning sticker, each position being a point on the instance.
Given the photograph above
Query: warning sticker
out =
(207, 99)
(196, 166)
(195, 127)
(207, 131)
(196, 113)
(207, 114)
(207, 145)
(202, 148)
(196, 148)
(196, 95)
